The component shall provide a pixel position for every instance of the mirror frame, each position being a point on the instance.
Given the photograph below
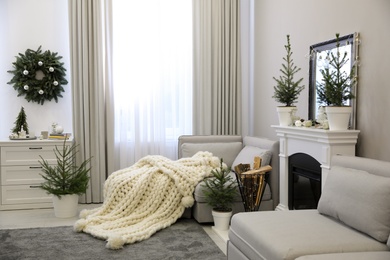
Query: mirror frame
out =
(350, 39)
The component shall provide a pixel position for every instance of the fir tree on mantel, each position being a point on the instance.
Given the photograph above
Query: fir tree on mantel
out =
(286, 89)
(21, 121)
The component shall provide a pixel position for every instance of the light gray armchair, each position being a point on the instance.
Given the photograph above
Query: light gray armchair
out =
(233, 150)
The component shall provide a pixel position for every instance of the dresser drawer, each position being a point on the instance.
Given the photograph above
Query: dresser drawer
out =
(23, 194)
(18, 175)
(27, 155)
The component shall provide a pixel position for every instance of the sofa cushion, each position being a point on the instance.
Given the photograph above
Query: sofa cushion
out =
(358, 199)
(248, 153)
(226, 151)
(293, 233)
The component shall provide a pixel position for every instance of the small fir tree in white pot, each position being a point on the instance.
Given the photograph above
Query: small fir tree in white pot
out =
(335, 88)
(287, 89)
(21, 122)
(220, 191)
(64, 180)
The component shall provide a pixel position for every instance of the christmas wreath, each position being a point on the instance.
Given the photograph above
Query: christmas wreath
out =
(38, 75)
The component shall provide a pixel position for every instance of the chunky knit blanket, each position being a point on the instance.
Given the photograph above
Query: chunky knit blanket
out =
(145, 198)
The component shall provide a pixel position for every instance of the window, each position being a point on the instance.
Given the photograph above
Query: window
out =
(152, 76)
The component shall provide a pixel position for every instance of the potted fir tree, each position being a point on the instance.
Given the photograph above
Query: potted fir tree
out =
(334, 90)
(287, 89)
(64, 180)
(219, 191)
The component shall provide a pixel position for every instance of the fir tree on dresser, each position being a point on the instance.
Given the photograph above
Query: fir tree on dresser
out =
(286, 89)
(21, 121)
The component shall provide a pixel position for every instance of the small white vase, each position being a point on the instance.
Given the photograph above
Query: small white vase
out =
(285, 115)
(221, 219)
(338, 117)
(66, 206)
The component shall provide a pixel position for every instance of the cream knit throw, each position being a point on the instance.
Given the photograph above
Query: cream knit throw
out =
(145, 198)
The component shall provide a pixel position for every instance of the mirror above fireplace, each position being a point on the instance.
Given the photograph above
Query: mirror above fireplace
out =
(319, 54)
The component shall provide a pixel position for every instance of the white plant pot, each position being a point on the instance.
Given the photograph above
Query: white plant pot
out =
(66, 206)
(285, 115)
(221, 219)
(338, 117)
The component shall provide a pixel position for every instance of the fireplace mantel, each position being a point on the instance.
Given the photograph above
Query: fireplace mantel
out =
(318, 143)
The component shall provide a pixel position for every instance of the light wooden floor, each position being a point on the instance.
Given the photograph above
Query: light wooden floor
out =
(12, 219)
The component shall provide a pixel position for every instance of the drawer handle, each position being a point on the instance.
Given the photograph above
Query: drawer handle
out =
(35, 167)
(35, 186)
(35, 148)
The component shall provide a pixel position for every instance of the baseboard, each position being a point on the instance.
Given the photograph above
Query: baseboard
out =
(223, 234)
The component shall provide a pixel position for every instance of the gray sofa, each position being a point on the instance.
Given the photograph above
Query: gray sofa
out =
(233, 150)
(352, 220)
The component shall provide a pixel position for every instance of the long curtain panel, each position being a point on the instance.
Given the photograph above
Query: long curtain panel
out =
(217, 67)
(88, 90)
(152, 77)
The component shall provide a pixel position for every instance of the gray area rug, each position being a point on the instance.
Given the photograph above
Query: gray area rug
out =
(185, 239)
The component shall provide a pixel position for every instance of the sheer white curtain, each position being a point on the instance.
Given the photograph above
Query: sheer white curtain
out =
(152, 77)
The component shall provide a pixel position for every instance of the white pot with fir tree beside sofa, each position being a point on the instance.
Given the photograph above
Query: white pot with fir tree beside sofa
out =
(65, 180)
(335, 88)
(220, 191)
(287, 89)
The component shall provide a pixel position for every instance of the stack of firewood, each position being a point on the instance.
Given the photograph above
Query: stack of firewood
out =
(251, 183)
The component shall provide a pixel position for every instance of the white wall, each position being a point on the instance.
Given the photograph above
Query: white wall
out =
(313, 21)
(26, 24)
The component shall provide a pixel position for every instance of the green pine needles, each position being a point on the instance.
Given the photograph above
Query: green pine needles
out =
(220, 189)
(38, 75)
(65, 177)
(287, 90)
(336, 84)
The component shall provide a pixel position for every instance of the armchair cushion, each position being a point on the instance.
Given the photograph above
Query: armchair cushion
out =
(226, 151)
(248, 153)
(358, 199)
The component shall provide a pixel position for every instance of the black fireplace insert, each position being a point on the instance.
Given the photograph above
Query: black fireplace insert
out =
(304, 182)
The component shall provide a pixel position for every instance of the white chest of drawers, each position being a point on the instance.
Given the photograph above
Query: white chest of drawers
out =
(20, 173)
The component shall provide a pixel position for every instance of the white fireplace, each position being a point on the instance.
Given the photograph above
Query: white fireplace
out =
(318, 143)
